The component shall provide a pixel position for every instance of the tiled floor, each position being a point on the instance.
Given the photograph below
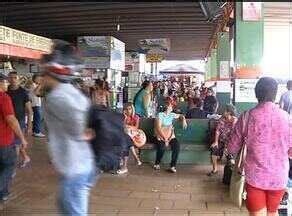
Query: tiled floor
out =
(142, 192)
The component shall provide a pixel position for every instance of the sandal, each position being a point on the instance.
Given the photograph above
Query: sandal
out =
(212, 173)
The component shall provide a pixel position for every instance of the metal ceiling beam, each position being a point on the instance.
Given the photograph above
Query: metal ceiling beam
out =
(127, 25)
(84, 19)
(77, 11)
(155, 15)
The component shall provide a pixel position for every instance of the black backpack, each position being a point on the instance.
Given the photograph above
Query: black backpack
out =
(110, 140)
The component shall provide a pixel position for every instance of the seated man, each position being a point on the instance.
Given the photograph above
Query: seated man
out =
(196, 111)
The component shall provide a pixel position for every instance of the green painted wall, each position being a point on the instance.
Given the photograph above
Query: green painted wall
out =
(249, 39)
(241, 107)
(214, 68)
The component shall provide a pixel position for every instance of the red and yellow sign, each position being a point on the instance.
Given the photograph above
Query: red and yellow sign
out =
(152, 58)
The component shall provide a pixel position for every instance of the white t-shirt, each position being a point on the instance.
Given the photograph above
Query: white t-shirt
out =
(35, 100)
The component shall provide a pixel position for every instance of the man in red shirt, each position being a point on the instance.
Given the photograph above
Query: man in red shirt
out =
(9, 127)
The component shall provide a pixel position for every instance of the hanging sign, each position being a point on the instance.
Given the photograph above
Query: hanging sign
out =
(22, 39)
(155, 46)
(152, 58)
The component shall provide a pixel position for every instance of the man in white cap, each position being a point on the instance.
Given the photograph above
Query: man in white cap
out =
(66, 111)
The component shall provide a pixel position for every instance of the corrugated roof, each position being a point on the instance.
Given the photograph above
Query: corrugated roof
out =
(183, 22)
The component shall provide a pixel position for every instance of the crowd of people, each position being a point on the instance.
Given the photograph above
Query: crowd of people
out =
(265, 130)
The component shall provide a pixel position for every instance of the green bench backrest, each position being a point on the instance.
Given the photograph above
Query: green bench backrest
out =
(196, 132)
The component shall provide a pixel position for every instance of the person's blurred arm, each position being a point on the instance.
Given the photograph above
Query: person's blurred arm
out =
(137, 122)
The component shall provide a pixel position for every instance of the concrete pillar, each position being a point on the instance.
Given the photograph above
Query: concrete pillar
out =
(249, 38)
(223, 87)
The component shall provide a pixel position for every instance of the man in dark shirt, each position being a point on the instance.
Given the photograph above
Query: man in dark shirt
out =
(8, 128)
(196, 112)
(210, 102)
(22, 107)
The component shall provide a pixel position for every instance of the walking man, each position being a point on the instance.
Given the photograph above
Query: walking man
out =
(66, 111)
(8, 127)
(22, 107)
(286, 99)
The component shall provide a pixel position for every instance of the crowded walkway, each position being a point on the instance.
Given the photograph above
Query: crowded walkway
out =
(142, 192)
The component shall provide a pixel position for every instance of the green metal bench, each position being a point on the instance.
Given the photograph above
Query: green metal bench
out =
(193, 140)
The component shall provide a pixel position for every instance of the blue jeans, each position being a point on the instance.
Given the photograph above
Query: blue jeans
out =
(74, 193)
(7, 165)
(37, 118)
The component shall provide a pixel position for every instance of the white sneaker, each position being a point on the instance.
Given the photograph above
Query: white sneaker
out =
(172, 169)
(40, 135)
(156, 167)
(122, 171)
(139, 163)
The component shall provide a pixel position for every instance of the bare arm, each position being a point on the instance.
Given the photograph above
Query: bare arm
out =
(146, 101)
(158, 129)
(38, 90)
(29, 113)
(182, 119)
(14, 125)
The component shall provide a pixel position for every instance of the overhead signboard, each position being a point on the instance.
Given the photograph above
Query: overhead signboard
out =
(155, 46)
(152, 58)
(22, 39)
(102, 52)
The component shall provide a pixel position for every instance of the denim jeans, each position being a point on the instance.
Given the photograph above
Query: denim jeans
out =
(7, 165)
(37, 118)
(74, 193)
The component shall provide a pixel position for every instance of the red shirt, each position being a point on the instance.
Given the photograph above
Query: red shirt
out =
(132, 120)
(6, 109)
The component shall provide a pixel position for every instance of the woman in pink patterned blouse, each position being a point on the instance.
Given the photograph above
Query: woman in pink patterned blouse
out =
(268, 140)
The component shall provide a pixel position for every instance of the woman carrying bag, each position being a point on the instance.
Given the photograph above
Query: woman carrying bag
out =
(265, 132)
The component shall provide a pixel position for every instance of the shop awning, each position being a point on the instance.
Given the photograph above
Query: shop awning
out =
(181, 69)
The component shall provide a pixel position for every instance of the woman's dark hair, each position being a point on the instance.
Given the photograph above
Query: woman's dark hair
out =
(230, 109)
(198, 102)
(100, 83)
(266, 89)
(145, 84)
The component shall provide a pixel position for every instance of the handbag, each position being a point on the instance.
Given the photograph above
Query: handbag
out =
(137, 135)
(236, 189)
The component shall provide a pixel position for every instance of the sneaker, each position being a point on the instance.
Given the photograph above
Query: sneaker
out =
(172, 169)
(156, 167)
(5, 198)
(24, 163)
(39, 135)
(122, 171)
(139, 163)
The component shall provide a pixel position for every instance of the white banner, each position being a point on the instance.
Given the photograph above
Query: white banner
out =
(22, 39)
(245, 90)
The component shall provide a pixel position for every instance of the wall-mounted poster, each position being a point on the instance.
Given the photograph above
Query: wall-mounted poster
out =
(245, 90)
(155, 46)
(251, 11)
(224, 70)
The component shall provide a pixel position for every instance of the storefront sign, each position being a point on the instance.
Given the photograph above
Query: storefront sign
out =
(22, 39)
(245, 90)
(117, 57)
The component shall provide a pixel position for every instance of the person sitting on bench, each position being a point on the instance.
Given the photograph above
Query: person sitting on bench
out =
(164, 132)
